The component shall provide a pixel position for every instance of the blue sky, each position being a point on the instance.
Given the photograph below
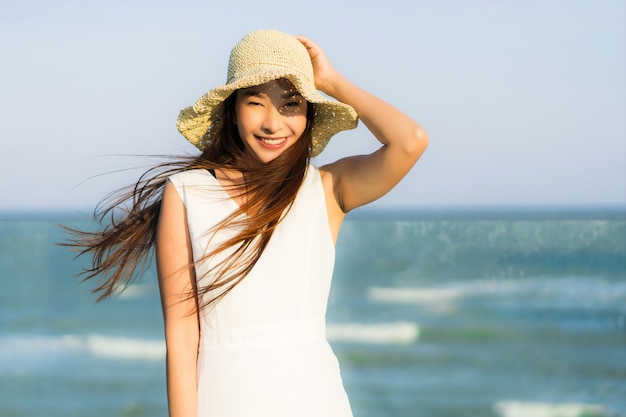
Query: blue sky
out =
(524, 101)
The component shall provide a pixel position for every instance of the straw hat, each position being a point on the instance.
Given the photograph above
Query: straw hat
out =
(260, 57)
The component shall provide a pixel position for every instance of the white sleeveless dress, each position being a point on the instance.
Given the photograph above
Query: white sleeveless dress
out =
(263, 349)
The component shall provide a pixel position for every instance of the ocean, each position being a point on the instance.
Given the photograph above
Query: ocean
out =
(486, 316)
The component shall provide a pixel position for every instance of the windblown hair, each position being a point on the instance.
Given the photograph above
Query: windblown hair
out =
(122, 248)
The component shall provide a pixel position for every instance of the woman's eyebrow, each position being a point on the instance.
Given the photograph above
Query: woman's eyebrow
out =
(287, 95)
(294, 94)
(252, 93)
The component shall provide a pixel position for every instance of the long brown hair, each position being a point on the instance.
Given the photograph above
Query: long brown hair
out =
(122, 249)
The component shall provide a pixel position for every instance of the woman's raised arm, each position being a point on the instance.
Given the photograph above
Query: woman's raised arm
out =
(358, 180)
(177, 284)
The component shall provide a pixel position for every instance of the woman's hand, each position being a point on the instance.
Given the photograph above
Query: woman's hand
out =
(323, 70)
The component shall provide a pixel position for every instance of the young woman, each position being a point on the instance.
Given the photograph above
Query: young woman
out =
(245, 232)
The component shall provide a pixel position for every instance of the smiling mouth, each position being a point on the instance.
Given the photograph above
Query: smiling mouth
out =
(271, 141)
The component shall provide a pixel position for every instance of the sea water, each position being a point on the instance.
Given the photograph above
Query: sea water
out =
(429, 317)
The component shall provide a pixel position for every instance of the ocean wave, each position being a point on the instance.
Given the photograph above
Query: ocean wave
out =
(560, 292)
(37, 349)
(538, 409)
(414, 295)
(32, 346)
(380, 333)
(24, 348)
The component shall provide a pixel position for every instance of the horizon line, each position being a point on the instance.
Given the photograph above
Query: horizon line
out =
(519, 212)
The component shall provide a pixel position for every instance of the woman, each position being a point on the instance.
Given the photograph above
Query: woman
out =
(245, 232)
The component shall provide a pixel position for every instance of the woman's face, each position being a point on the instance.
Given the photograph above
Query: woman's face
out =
(270, 118)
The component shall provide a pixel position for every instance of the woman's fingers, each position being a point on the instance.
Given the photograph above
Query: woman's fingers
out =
(322, 67)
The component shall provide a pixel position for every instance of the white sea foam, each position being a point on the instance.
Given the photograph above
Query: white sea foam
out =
(414, 295)
(538, 409)
(381, 333)
(453, 291)
(125, 348)
(135, 291)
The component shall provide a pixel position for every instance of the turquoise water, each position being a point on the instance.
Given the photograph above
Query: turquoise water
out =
(499, 318)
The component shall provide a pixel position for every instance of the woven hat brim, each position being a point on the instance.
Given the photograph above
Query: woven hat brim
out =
(331, 116)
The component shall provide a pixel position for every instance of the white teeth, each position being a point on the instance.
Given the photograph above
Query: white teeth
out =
(273, 141)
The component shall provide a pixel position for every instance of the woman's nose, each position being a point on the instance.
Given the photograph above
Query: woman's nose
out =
(273, 120)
